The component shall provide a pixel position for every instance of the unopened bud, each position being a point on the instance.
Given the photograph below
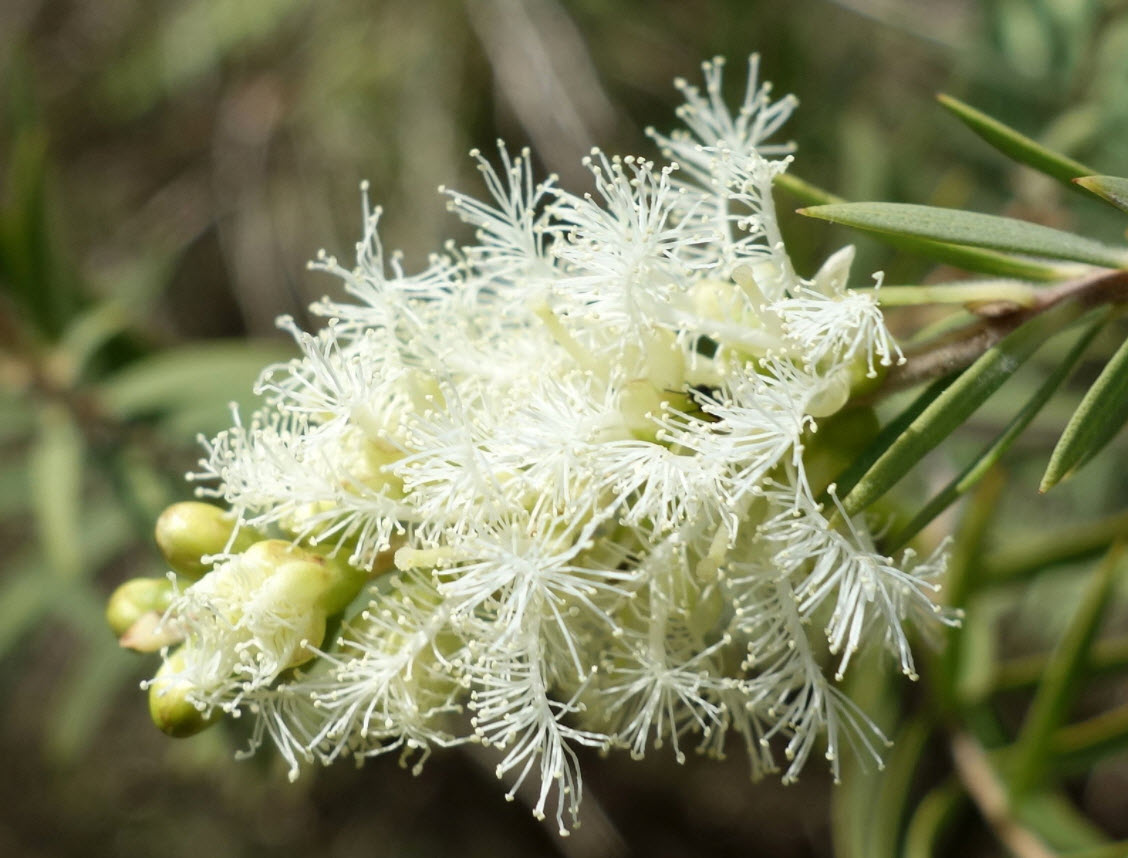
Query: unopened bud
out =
(301, 576)
(136, 598)
(189, 531)
(170, 705)
(151, 633)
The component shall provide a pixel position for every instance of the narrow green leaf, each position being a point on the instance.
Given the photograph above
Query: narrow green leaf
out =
(888, 810)
(25, 597)
(1109, 655)
(967, 258)
(991, 454)
(933, 816)
(972, 229)
(893, 430)
(1054, 817)
(33, 264)
(1117, 849)
(19, 416)
(1064, 672)
(1100, 416)
(810, 194)
(1046, 548)
(951, 408)
(190, 378)
(83, 701)
(55, 474)
(953, 678)
(89, 331)
(976, 654)
(1017, 146)
(1112, 189)
(1080, 746)
(980, 260)
(855, 821)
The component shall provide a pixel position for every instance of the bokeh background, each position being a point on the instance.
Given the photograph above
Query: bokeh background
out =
(167, 167)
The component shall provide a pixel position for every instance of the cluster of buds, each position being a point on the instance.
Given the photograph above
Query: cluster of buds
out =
(564, 487)
(234, 605)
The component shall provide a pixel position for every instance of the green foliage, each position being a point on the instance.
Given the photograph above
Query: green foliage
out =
(951, 408)
(1012, 776)
(989, 457)
(1111, 188)
(165, 168)
(1017, 146)
(970, 229)
(1100, 416)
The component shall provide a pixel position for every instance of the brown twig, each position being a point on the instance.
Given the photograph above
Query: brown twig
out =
(990, 797)
(961, 348)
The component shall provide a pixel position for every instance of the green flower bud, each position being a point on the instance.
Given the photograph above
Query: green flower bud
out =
(186, 532)
(134, 599)
(259, 613)
(170, 705)
(303, 577)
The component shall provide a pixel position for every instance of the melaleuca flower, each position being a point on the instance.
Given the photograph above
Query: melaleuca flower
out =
(571, 470)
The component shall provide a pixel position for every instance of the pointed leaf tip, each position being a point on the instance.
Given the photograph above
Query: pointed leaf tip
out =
(1014, 144)
(1111, 189)
(1098, 419)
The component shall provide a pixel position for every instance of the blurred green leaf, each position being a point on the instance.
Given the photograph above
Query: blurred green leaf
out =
(956, 672)
(1017, 146)
(1064, 672)
(886, 815)
(25, 597)
(1056, 820)
(31, 265)
(194, 380)
(19, 417)
(14, 495)
(1106, 850)
(950, 409)
(1080, 746)
(972, 229)
(1100, 416)
(1045, 548)
(855, 824)
(190, 41)
(1107, 656)
(934, 815)
(977, 654)
(89, 331)
(82, 702)
(55, 473)
(991, 454)
(1113, 189)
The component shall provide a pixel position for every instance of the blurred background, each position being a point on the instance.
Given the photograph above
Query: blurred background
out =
(167, 168)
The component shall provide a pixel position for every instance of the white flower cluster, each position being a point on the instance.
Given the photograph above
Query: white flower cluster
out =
(574, 461)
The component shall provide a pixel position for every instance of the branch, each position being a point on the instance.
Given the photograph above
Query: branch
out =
(960, 349)
(990, 797)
